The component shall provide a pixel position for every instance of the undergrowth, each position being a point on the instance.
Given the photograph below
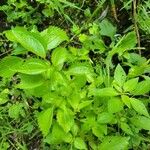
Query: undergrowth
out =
(74, 75)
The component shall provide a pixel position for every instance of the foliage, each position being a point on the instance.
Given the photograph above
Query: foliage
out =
(27, 11)
(73, 89)
(143, 17)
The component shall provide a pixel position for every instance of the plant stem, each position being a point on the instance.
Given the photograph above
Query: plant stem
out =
(135, 24)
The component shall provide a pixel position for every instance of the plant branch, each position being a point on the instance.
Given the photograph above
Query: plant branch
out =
(135, 24)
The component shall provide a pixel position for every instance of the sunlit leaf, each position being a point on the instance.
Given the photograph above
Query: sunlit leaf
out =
(45, 120)
(139, 106)
(130, 85)
(104, 92)
(107, 29)
(54, 36)
(119, 75)
(7, 65)
(28, 40)
(79, 143)
(59, 56)
(30, 81)
(115, 143)
(33, 66)
(65, 119)
(115, 105)
(141, 122)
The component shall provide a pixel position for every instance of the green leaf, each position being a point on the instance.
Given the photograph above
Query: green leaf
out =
(40, 90)
(79, 81)
(119, 75)
(115, 143)
(99, 130)
(126, 100)
(130, 85)
(84, 104)
(80, 69)
(45, 120)
(30, 81)
(127, 42)
(136, 71)
(65, 119)
(142, 87)
(4, 96)
(104, 92)
(74, 99)
(54, 36)
(7, 65)
(79, 143)
(75, 129)
(135, 59)
(126, 128)
(58, 135)
(139, 106)
(141, 122)
(59, 56)
(33, 66)
(15, 110)
(107, 29)
(28, 40)
(19, 50)
(10, 36)
(105, 117)
(115, 105)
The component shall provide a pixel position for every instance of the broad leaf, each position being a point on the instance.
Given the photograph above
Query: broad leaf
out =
(80, 69)
(135, 59)
(74, 99)
(127, 42)
(4, 96)
(79, 81)
(30, 81)
(115, 105)
(99, 130)
(33, 66)
(59, 56)
(45, 120)
(79, 143)
(28, 40)
(142, 87)
(10, 36)
(107, 29)
(54, 36)
(105, 117)
(65, 119)
(126, 128)
(126, 100)
(130, 85)
(137, 70)
(58, 135)
(115, 143)
(19, 50)
(15, 110)
(85, 104)
(108, 92)
(119, 75)
(7, 65)
(139, 106)
(141, 122)
(40, 90)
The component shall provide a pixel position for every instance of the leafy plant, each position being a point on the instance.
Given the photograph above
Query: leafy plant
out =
(74, 75)
(79, 103)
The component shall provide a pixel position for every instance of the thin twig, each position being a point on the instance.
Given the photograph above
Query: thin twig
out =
(135, 24)
(5, 52)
